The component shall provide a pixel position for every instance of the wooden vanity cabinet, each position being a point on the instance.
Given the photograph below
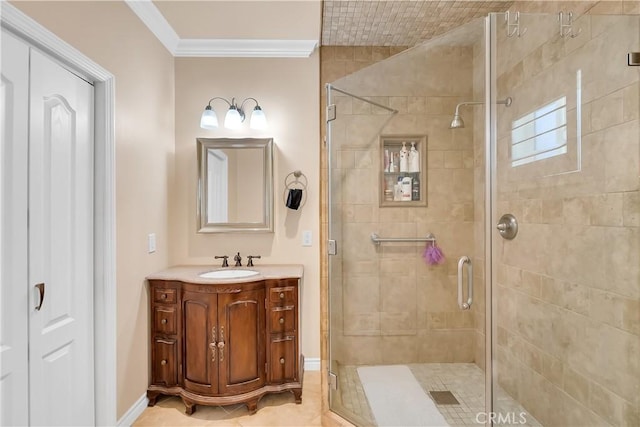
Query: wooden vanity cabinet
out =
(283, 330)
(165, 341)
(220, 344)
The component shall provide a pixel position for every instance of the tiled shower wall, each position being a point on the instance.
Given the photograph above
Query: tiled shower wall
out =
(388, 306)
(568, 291)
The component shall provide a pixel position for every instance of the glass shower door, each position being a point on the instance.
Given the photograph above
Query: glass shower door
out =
(391, 309)
(352, 166)
(566, 160)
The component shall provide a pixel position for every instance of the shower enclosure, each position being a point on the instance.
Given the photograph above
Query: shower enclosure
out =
(544, 328)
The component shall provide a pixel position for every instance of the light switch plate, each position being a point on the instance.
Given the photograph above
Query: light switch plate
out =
(306, 238)
(151, 242)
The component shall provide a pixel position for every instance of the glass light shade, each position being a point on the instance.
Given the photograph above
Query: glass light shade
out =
(258, 119)
(232, 120)
(209, 120)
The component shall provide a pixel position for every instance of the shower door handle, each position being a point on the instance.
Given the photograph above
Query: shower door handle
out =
(461, 263)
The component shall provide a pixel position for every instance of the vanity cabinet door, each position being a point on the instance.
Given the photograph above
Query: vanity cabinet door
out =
(241, 346)
(165, 320)
(282, 319)
(201, 336)
(165, 362)
(282, 366)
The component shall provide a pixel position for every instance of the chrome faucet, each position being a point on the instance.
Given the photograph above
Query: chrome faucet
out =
(238, 260)
(224, 260)
(251, 258)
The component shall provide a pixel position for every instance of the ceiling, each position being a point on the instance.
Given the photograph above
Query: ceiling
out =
(241, 19)
(334, 23)
(399, 22)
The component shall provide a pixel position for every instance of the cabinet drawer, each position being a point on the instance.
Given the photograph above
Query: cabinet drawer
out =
(282, 319)
(166, 295)
(165, 320)
(164, 367)
(282, 362)
(283, 295)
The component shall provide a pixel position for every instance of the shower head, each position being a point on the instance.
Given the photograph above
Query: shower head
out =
(458, 123)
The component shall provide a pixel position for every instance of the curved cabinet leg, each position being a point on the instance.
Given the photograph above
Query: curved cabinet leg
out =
(189, 406)
(153, 397)
(252, 406)
(297, 394)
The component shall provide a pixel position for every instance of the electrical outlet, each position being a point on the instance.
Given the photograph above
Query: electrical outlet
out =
(151, 242)
(306, 238)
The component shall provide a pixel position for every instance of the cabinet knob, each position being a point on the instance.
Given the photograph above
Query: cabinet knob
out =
(281, 295)
(163, 321)
(163, 362)
(282, 360)
(281, 320)
(163, 296)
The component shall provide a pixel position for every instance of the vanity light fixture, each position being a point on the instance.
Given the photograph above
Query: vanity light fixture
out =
(235, 115)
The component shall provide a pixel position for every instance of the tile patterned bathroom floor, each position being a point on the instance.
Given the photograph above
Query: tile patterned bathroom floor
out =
(464, 380)
(273, 410)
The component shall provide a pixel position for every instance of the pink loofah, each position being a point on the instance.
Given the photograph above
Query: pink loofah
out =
(432, 254)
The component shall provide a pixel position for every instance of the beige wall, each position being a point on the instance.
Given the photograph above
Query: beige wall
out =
(568, 287)
(287, 90)
(144, 159)
(153, 156)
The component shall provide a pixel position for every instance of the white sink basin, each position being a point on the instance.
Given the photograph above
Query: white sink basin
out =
(228, 274)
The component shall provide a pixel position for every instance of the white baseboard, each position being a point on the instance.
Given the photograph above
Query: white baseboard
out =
(134, 412)
(311, 364)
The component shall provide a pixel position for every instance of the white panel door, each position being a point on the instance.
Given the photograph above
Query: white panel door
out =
(14, 127)
(61, 364)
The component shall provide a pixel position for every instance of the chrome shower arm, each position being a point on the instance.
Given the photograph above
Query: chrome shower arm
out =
(507, 101)
(457, 113)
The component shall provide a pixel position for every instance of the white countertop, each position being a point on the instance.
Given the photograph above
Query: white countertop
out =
(190, 273)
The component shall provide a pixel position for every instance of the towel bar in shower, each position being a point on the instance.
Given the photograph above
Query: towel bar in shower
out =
(377, 239)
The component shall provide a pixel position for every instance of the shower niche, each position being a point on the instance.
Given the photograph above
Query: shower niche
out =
(403, 171)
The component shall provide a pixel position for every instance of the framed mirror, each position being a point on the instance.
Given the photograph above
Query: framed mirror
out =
(235, 185)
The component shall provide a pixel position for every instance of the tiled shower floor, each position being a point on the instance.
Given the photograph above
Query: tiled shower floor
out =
(464, 380)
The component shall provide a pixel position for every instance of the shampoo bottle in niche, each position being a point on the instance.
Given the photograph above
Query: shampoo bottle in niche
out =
(404, 158)
(386, 160)
(406, 189)
(415, 189)
(397, 190)
(414, 159)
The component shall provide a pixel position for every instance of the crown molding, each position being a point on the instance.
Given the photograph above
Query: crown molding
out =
(156, 23)
(216, 48)
(236, 48)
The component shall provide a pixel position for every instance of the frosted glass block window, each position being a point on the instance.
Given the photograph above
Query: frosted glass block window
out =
(540, 134)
